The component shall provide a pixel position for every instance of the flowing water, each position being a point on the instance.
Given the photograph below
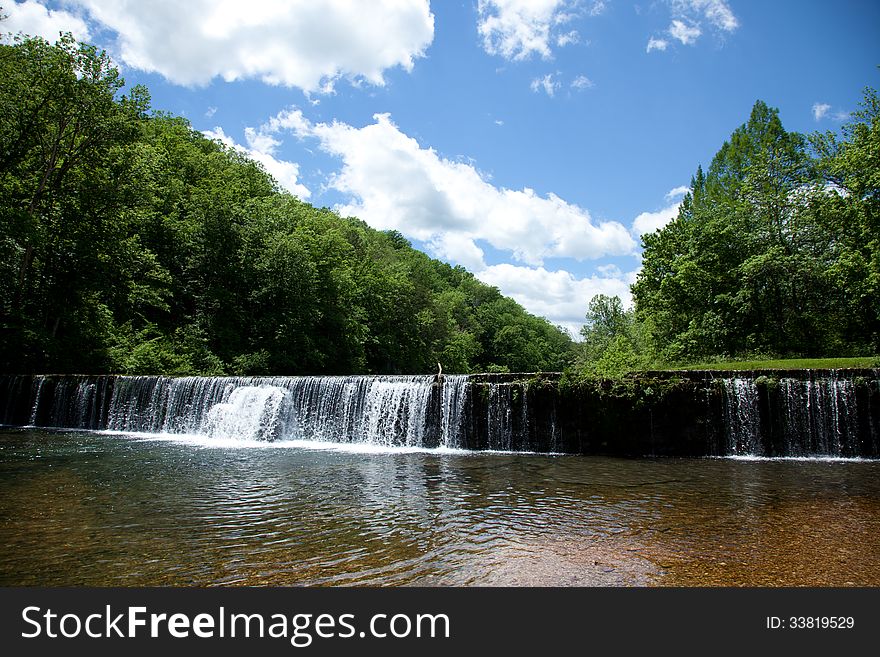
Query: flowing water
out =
(832, 413)
(101, 508)
(816, 417)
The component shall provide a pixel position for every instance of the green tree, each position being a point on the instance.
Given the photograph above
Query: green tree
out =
(614, 340)
(772, 251)
(65, 135)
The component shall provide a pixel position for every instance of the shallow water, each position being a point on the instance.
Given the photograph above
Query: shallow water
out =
(79, 508)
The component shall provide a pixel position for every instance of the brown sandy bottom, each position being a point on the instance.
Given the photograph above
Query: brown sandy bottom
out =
(794, 544)
(114, 513)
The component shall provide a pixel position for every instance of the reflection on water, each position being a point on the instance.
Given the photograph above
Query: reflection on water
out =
(97, 509)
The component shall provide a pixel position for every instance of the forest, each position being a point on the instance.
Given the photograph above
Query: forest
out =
(133, 244)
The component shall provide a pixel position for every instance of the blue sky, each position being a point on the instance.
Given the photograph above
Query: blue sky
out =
(531, 141)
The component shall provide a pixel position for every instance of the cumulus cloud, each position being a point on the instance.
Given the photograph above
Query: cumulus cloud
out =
(392, 182)
(261, 148)
(677, 191)
(558, 295)
(518, 29)
(548, 84)
(648, 222)
(458, 248)
(820, 110)
(34, 19)
(657, 44)
(308, 44)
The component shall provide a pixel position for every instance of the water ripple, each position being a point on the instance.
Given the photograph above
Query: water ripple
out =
(103, 509)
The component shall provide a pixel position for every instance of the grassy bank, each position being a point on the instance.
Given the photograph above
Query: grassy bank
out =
(785, 364)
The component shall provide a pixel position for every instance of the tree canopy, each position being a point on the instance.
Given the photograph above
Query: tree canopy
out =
(132, 243)
(775, 250)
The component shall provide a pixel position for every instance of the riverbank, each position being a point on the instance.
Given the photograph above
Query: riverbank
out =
(860, 362)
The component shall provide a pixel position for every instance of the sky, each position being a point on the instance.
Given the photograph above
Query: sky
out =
(532, 142)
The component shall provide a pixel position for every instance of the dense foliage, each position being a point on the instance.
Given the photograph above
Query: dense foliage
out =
(775, 251)
(131, 243)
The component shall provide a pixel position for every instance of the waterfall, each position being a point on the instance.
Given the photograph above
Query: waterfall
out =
(811, 416)
(783, 413)
(742, 417)
(499, 419)
(38, 388)
(381, 410)
(250, 413)
(455, 391)
(823, 410)
(79, 402)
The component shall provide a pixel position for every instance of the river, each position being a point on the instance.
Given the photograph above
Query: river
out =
(109, 509)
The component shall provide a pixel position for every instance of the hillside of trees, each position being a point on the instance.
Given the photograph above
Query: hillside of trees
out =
(131, 243)
(774, 252)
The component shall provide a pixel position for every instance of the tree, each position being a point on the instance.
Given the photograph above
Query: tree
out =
(64, 133)
(848, 208)
(615, 342)
(771, 251)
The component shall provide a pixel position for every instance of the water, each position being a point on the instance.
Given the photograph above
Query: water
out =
(796, 417)
(381, 410)
(742, 416)
(830, 413)
(96, 508)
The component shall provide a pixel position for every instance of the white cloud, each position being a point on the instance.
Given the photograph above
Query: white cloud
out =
(460, 249)
(557, 295)
(210, 112)
(688, 17)
(820, 110)
(597, 8)
(286, 173)
(393, 183)
(34, 19)
(308, 44)
(582, 82)
(823, 110)
(218, 134)
(291, 120)
(609, 271)
(517, 29)
(568, 38)
(717, 12)
(677, 191)
(687, 34)
(260, 141)
(648, 222)
(657, 44)
(547, 84)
